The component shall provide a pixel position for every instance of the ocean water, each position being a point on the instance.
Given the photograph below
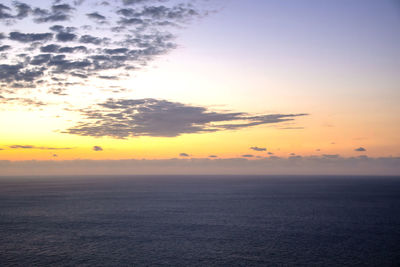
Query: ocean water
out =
(200, 221)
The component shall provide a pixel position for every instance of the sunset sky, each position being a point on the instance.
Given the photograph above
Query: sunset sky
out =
(185, 85)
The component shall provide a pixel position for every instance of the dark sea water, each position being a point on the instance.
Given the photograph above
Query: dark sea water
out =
(200, 221)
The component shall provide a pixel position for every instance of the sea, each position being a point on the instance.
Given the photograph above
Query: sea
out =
(200, 221)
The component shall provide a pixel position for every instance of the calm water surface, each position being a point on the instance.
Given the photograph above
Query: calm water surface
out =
(200, 221)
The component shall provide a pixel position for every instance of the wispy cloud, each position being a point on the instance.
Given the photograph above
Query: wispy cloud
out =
(259, 149)
(22, 101)
(122, 118)
(360, 149)
(38, 147)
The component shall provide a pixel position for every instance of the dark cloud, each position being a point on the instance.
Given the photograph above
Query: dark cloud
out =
(129, 39)
(40, 59)
(133, 2)
(62, 65)
(184, 155)
(127, 12)
(258, 148)
(52, 18)
(108, 77)
(65, 36)
(63, 8)
(80, 75)
(4, 7)
(4, 12)
(51, 48)
(78, 2)
(131, 21)
(178, 12)
(23, 10)
(88, 39)
(360, 149)
(247, 156)
(57, 13)
(36, 147)
(97, 148)
(60, 28)
(122, 118)
(13, 73)
(213, 156)
(4, 48)
(96, 16)
(30, 37)
(116, 51)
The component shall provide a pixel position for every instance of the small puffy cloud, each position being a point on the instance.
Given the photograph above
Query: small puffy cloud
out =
(97, 148)
(89, 39)
(360, 149)
(30, 37)
(65, 36)
(184, 155)
(51, 48)
(4, 48)
(96, 16)
(258, 148)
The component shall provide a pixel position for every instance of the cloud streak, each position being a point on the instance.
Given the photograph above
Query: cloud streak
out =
(259, 149)
(38, 147)
(360, 149)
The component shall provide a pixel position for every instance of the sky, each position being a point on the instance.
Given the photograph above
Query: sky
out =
(217, 86)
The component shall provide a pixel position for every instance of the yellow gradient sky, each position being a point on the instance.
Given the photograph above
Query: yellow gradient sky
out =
(339, 63)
